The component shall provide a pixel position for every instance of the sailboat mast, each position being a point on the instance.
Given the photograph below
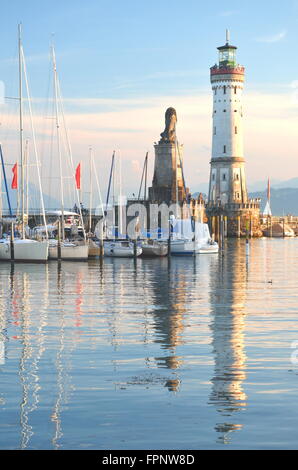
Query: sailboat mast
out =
(5, 181)
(176, 179)
(21, 131)
(58, 139)
(90, 194)
(1, 201)
(120, 198)
(146, 174)
(26, 164)
(110, 180)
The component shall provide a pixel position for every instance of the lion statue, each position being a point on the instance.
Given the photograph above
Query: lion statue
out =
(169, 134)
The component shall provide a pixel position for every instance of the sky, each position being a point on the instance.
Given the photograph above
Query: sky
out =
(121, 64)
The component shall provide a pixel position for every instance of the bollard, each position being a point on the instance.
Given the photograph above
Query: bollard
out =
(12, 243)
(222, 229)
(283, 228)
(101, 248)
(169, 239)
(59, 241)
(247, 237)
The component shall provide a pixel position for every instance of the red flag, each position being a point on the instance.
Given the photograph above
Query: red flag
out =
(14, 183)
(78, 176)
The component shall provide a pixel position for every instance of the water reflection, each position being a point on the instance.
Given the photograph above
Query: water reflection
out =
(87, 348)
(169, 297)
(227, 304)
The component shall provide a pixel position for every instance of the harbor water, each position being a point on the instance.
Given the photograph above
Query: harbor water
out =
(180, 353)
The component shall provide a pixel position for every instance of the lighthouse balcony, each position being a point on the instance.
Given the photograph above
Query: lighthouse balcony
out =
(227, 73)
(217, 70)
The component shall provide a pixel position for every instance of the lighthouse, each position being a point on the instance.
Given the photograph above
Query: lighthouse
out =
(227, 186)
(227, 175)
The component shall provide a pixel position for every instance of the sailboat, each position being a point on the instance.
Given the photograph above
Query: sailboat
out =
(66, 249)
(151, 247)
(118, 247)
(189, 237)
(22, 249)
(94, 248)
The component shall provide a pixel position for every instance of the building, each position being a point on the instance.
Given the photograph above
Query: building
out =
(227, 186)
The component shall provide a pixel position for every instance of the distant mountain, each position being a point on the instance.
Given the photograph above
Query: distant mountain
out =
(258, 186)
(262, 185)
(276, 184)
(201, 188)
(283, 201)
(284, 195)
(195, 195)
(292, 183)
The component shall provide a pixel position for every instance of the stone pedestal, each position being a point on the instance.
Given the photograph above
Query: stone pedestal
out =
(167, 181)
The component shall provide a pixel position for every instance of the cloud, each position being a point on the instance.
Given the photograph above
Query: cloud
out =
(270, 138)
(272, 39)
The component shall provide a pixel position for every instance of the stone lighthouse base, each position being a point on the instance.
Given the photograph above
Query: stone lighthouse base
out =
(238, 220)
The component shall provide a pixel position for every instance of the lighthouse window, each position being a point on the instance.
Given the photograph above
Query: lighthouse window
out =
(224, 89)
(236, 130)
(213, 177)
(225, 149)
(214, 130)
(235, 90)
(224, 177)
(215, 91)
(224, 110)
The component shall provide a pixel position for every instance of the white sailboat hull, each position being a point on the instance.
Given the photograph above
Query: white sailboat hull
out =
(69, 251)
(154, 248)
(25, 250)
(120, 249)
(207, 248)
(189, 247)
(182, 247)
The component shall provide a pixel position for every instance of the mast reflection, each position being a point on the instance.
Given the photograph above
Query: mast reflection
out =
(32, 345)
(227, 302)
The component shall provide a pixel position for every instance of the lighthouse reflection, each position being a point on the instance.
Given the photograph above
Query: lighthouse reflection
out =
(227, 303)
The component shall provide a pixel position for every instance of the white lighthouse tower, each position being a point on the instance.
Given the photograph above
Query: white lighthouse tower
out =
(227, 176)
(227, 186)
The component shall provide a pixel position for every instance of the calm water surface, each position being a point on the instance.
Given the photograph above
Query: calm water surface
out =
(191, 354)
